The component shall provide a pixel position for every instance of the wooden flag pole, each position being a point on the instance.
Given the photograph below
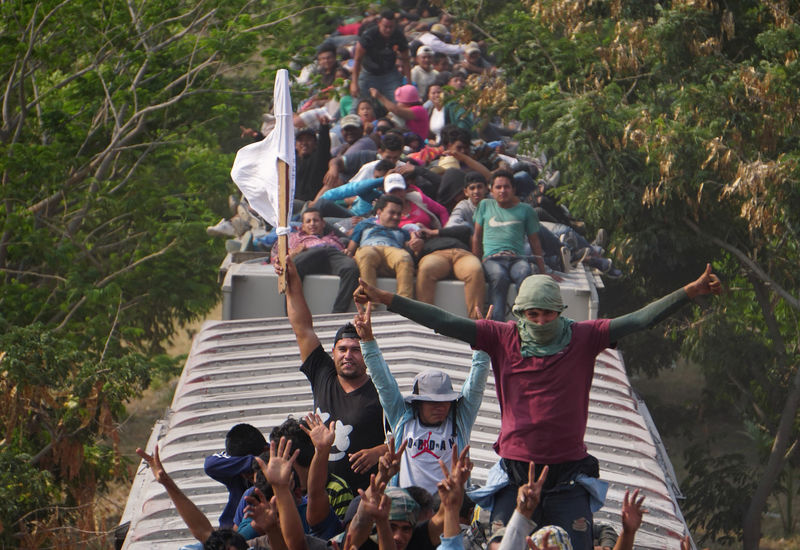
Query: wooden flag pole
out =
(283, 219)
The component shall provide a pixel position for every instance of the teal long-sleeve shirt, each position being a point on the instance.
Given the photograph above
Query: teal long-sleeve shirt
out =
(464, 329)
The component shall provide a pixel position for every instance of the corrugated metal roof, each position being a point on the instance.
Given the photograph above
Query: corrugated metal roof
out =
(248, 371)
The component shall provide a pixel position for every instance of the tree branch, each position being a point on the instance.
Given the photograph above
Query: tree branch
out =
(33, 273)
(748, 263)
(132, 266)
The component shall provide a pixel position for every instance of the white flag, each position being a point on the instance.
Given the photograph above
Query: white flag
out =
(255, 170)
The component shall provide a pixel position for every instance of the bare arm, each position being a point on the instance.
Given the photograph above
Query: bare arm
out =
(191, 515)
(472, 163)
(322, 437)
(357, 57)
(632, 512)
(405, 62)
(403, 112)
(298, 312)
(477, 241)
(536, 247)
(279, 474)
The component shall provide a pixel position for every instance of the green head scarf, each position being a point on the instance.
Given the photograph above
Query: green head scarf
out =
(541, 292)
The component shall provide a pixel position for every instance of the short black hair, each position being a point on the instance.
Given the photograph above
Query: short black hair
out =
(383, 200)
(383, 166)
(422, 497)
(244, 439)
(457, 133)
(503, 173)
(291, 430)
(392, 142)
(387, 14)
(310, 209)
(473, 177)
(225, 539)
(327, 47)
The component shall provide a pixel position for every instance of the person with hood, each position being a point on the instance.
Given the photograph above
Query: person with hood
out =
(543, 366)
(432, 419)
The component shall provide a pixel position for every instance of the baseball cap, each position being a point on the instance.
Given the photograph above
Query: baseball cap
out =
(424, 50)
(392, 182)
(432, 385)
(404, 508)
(350, 121)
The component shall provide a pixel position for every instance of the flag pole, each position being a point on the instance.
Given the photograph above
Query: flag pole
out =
(284, 196)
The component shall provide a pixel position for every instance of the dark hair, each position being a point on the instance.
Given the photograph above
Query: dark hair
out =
(224, 539)
(311, 209)
(243, 440)
(327, 47)
(365, 100)
(383, 166)
(291, 430)
(442, 79)
(387, 14)
(503, 173)
(392, 142)
(473, 177)
(422, 497)
(457, 133)
(383, 200)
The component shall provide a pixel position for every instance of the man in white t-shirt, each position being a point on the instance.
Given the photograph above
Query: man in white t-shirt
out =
(432, 419)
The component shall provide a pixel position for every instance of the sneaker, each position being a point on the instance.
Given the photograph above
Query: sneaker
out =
(601, 239)
(566, 259)
(224, 228)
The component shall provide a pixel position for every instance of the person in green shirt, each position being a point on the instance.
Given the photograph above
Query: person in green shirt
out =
(502, 225)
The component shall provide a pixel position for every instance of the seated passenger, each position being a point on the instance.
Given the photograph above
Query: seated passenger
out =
(475, 190)
(354, 138)
(502, 225)
(314, 252)
(423, 74)
(419, 210)
(379, 246)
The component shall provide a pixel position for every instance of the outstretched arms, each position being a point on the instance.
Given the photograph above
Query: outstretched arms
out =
(707, 283)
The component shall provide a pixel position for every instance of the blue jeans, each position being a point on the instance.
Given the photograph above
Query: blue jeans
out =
(384, 83)
(500, 272)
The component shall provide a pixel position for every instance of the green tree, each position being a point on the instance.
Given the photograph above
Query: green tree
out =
(117, 126)
(675, 125)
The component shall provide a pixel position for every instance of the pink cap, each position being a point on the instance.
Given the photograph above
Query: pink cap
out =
(406, 94)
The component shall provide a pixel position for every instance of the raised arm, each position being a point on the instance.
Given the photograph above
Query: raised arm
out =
(319, 507)
(297, 311)
(632, 512)
(441, 321)
(653, 313)
(279, 474)
(198, 523)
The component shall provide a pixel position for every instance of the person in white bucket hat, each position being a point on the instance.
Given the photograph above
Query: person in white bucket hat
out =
(430, 420)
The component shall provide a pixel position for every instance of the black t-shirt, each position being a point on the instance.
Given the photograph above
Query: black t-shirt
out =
(421, 539)
(358, 414)
(379, 56)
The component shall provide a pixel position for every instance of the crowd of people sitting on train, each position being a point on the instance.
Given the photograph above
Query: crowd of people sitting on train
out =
(394, 177)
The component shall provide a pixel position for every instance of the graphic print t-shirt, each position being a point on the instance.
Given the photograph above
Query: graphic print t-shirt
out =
(505, 228)
(358, 416)
(426, 445)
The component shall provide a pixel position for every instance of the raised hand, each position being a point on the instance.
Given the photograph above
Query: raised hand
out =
(363, 460)
(632, 512)
(279, 470)
(389, 463)
(707, 283)
(321, 436)
(363, 322)
(530, 494)
(263, 512)
(368, 293)
(461, 466)
(154, 462)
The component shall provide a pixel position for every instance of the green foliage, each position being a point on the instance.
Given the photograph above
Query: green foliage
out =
(117, 131)
(717, 494)
(674, 125)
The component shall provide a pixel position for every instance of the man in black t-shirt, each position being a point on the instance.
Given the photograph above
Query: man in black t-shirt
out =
(342, 390)
(374, 60)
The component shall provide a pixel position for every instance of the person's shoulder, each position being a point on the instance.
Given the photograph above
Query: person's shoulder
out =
(317, 361)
